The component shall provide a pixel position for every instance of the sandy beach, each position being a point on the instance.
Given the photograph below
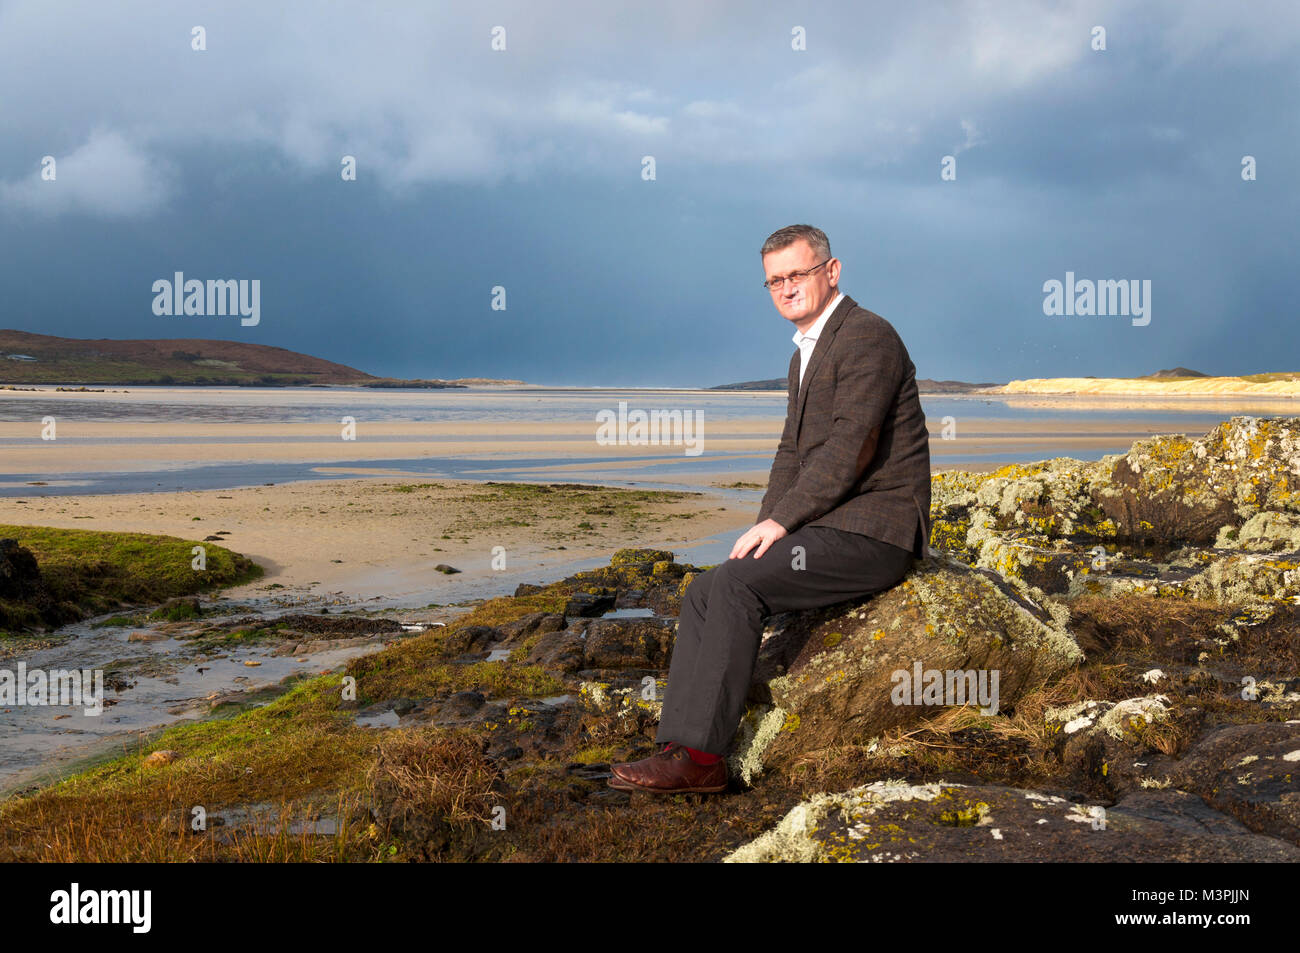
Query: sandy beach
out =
(1128, 387)
(370, 539)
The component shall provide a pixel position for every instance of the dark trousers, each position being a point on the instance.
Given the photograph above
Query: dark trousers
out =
(723, 614)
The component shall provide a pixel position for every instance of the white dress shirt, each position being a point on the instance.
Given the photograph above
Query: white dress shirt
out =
(807, 340)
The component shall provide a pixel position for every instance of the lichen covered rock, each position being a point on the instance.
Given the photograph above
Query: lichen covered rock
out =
(620, 712)
(1108, 745)
(833, 676)
(1214, 517)
(894, 821)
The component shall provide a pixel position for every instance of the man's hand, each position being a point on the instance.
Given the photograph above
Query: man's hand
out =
(762, 535)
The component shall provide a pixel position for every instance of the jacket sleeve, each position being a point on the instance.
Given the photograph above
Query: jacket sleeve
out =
(785, 467)
(868, 374)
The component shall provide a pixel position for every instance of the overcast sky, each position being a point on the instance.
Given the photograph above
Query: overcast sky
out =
(522, 168)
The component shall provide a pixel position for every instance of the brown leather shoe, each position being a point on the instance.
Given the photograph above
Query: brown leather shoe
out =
(671, 771)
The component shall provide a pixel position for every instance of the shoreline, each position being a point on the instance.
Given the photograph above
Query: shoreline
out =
(1130, 387)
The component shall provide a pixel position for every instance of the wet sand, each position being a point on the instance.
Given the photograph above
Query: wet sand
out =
(102, 446)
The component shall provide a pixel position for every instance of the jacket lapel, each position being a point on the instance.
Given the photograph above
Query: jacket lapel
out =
(824, 340)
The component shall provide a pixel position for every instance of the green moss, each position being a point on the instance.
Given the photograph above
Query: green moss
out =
(176, 612)
(217, 641)
(495, 679)
(521, 652)
(114, 622)
(88, 572)
(600, 754)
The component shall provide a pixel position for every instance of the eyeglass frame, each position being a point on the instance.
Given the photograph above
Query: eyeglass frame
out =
(802, 277)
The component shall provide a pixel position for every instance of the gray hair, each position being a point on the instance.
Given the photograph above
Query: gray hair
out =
(785, 237)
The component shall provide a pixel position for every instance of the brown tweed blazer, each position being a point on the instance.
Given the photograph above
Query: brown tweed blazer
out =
(855, 452)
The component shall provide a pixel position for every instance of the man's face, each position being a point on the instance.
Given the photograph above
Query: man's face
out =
(803, 301)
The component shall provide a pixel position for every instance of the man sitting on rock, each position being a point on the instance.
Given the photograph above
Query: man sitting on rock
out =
(846, 510)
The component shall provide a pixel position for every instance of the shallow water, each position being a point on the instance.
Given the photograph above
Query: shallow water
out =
(166, 683)
(979, 417)
(156, 683)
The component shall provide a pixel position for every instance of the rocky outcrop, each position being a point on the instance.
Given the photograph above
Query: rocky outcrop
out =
(1213, 517)
(1112, 748)
(1251, 772)
(893, 821)
(846, 673)
(1234, 797)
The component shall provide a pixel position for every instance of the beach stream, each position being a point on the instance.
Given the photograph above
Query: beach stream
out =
(155, 673)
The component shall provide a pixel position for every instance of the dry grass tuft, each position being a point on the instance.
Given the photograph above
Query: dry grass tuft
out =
(443, 773)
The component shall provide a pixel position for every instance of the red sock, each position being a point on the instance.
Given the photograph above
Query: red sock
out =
(702, 757)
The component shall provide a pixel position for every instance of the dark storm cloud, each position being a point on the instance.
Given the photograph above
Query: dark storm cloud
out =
(523, 169)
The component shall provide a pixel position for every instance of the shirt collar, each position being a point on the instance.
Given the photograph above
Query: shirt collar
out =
(813, 332)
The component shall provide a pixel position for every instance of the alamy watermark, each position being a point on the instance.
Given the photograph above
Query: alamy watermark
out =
(1106, 296)
(212, 298)
(56, 687)
(81, 905)
(651, 428)
(932, 686)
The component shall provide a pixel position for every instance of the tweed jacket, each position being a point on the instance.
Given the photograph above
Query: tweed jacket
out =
(855, 451)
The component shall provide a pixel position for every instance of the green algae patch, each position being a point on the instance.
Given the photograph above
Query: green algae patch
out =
(494, 679)
(86, 572)
(178, 611)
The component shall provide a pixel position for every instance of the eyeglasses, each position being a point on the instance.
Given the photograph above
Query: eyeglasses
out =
(795, 277)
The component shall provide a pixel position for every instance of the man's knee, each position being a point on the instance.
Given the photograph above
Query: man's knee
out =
(740, 580)
(697, 592)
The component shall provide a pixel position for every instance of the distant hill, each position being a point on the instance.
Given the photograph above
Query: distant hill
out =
(1174, 372)
(777, 383)
(27, 358)
(925, 385)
